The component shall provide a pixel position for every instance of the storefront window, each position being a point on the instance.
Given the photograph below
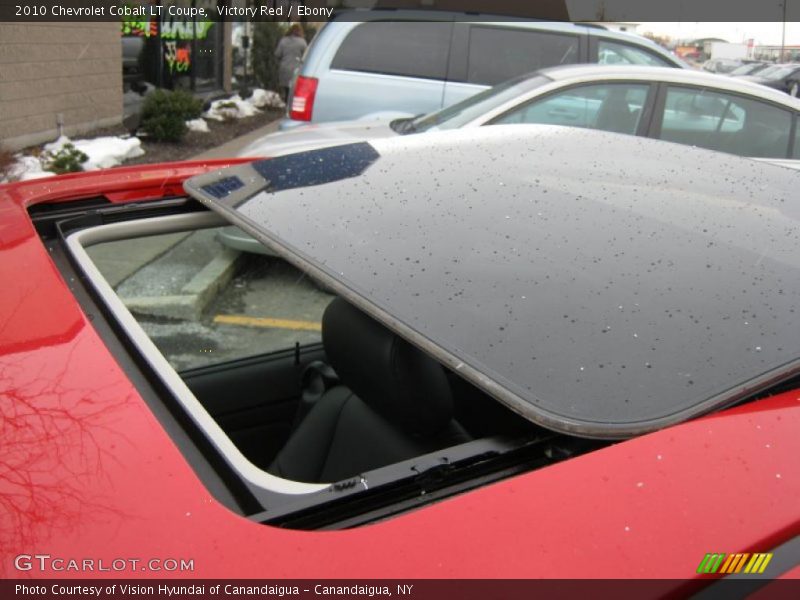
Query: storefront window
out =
(171, 51)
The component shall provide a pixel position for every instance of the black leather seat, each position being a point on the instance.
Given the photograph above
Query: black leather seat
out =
(615, 113)
(394, 403)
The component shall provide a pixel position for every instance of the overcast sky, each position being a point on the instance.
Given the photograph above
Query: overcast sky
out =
(762, 33)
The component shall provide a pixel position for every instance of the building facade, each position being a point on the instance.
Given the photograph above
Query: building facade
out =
(58, 77)
(177, 53)
(76, 77)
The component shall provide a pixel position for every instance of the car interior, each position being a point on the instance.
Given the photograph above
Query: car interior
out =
(365, 399)
(615, 113)
(300, 413)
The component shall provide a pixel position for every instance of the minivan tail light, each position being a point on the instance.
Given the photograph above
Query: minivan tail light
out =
(305, 88)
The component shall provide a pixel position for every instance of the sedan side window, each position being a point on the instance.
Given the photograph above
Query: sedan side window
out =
(609, 107)
(725, 122)
(613, 53)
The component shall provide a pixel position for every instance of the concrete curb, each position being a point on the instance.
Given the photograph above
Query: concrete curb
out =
(194, 297)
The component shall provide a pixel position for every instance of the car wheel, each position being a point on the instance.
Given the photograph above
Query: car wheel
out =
(793, 89)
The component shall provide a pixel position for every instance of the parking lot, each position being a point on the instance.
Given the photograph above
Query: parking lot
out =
(260, 305)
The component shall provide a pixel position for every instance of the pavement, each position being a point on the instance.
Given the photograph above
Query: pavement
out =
(128, 256)
(236, 145)
(182, 280)
(174, 276)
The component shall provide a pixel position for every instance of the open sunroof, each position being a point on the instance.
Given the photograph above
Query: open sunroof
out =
(598, 284)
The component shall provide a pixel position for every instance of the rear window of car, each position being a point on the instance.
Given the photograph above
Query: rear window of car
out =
(406, 48)
(496, 54)
(614, 53)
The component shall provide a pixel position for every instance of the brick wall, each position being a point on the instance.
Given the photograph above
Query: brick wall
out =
(50, 69)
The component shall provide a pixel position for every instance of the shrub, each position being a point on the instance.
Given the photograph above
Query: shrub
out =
(266, 36)
(164, 114)
(67, 160)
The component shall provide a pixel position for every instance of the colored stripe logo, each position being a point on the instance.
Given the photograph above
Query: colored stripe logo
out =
(734, 563)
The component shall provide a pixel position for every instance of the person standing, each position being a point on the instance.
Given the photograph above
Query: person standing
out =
(289, 53)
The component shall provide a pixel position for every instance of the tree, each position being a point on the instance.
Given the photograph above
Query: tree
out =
(266, 36)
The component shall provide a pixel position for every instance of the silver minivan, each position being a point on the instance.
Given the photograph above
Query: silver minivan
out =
(376, 63)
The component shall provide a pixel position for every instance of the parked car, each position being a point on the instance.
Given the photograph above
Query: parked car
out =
(600, 327)
(750, 68)
(417, 62)
(722, 65)
(699, 109)
(684, 106)
(783, 77)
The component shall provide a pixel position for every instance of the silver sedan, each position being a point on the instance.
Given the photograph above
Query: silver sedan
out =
(676, 105)
(683, 106)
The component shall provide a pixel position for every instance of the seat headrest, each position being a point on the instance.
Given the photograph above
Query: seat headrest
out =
(399, 382)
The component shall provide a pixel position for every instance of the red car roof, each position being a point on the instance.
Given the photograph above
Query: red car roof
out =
(88, 471)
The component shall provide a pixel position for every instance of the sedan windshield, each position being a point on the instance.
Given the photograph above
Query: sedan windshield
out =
(463, 112)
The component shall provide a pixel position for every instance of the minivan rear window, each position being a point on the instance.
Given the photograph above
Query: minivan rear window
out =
(497, 54)
(407, 48)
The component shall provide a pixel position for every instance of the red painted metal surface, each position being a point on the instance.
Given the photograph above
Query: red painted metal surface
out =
(141, 182)
(86, 471)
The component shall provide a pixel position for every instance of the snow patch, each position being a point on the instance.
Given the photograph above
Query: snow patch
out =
(103, 152)
(25, 168)
(265, 99)
(236, 108)
(230, 108)
(198, 125)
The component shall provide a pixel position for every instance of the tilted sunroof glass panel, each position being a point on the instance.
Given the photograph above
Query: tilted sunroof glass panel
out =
(597, 283)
